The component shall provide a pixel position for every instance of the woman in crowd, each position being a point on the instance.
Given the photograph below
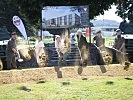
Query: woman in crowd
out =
(62, 49)
(83, 47)
(39, 49)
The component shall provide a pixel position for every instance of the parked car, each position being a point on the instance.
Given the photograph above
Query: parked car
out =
(4, 37)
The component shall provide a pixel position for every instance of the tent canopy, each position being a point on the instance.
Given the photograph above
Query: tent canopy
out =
(47, 34)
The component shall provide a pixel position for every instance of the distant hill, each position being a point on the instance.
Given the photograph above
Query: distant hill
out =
(105, 22)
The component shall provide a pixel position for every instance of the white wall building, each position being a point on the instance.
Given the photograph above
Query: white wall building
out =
(66, 20)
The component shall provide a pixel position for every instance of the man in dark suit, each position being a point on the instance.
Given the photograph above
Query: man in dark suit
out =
(83, 47)
(11, 52)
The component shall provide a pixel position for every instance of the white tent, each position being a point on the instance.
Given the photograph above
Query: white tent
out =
(47, 34)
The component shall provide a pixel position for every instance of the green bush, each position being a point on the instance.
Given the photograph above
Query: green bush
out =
(32, 39)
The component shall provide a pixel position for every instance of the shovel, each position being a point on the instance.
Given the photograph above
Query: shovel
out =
(19, 59)
(80, 54)
(120, 51)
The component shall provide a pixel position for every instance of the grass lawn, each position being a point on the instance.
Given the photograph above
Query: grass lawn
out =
(94, 88)
(109, 40)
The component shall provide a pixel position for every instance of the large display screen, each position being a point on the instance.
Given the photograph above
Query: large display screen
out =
(65, 16)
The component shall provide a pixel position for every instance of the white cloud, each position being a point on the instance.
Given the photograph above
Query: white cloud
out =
(110, 15)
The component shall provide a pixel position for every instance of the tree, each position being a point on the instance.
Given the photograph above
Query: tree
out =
(7, 10)
(32, 8)
(125, 8)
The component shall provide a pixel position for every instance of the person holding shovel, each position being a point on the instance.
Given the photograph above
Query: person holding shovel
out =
(83, 47)
(62, 50)
(119, 45)
(99, 40)
(39, 49)
(11, 52)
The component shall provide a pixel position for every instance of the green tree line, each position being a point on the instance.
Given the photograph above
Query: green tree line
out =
(30, 10)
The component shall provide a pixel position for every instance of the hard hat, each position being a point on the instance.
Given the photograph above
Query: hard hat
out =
(98, 31)
(79, 31)
(57, 36)
(118, 30)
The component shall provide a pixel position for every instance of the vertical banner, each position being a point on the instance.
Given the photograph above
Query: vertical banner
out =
(19, 24)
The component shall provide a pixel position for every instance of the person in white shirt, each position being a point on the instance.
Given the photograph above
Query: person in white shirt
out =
(61, 49)
(39, 49)
(73, 40)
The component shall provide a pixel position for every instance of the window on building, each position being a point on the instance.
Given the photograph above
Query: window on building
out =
(48, 22)
(70, 19)
(65, 20)
(53, 21)
(60, 20)
(77, 19)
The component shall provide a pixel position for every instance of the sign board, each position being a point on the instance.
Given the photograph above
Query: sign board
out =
(65, 16)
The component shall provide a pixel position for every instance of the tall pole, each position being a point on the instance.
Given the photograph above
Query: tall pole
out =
(41, 22)
(89, 24)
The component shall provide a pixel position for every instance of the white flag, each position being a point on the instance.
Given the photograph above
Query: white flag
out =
(19, 24)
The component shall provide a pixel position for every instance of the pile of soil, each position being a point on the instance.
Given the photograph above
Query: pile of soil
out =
(107, 57)
(29, 57)
(74, 72)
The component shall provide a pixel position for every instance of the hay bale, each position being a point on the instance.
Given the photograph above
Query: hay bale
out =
(24, 53)
(107, 57)
(28, 55)
(44, 58)
(127, 64)
(31, 51)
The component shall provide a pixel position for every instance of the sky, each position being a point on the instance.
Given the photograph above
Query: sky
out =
(53, 12)
(110, 14)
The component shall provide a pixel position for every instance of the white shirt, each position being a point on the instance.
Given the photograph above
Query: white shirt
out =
(60, 47)
(39, 47)
(72, 40)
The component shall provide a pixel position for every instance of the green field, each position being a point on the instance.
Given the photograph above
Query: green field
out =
(109, 41)
(93, 88)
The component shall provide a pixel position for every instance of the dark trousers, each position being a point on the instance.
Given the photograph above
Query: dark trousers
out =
(11, 61)
(62, 59)
(120, 57)
(84, 55)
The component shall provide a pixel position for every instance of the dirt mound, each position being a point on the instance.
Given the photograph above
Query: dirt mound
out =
(107, 57)
(29, 57)
(51, 73)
